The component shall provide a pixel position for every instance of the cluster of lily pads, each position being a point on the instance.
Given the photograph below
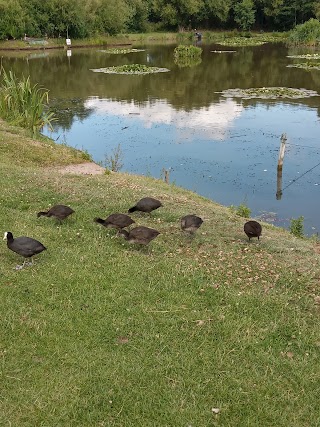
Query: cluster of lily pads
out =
(311, 63)
(187, 51)
(269, 93)
(306, 56)
(223, 51)
(306, 66)
(115, 51)
(241, 41)
(130, 69)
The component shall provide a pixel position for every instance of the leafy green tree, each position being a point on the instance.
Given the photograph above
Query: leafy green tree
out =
(316, 9)
(175, 13)
(67, 17)
(288, 13)
(212, 11)
(244, 14)
(81, 18)
(11, 19)
(138, 15)
(112, 16)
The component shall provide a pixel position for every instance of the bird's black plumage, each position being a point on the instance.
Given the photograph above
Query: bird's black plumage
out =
(147, 204)
(252, 229)
(58, 211)
(141, 235)
(191, 223)
(116, 220)
(24, 246)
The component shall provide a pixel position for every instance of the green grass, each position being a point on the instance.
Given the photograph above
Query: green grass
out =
(150, 37)
(101, 333)
(17, 148)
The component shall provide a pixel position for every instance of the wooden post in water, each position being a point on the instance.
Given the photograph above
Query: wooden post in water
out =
(280, 165)
(166, 173)
(279, 184)
(282, 150)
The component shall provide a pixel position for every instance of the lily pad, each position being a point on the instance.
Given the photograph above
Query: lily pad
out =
(222, 51)
(306, 56)
(269, 93)
(115, 51)
(306, 66)
(241, 41)
(130, 69)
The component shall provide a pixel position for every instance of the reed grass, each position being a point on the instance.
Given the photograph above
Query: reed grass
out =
(24, 104)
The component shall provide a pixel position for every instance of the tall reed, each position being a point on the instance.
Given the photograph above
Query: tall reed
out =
(24, 104)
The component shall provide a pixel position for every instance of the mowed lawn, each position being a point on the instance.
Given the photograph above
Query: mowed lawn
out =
(209, 331)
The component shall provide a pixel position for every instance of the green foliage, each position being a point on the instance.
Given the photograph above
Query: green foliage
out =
(306, 65)
(296, 226)
(85, 155)
(114, 162)
(217, 10)
(87, 18)
(11, 19)
(138, 16)
(110, 16)
(242, 210)
(241, 41)
(130, 69)
(307, 33)
(187, 61)
(187, 56)
(120, 51)
(187, 51)
(244, 14)
(23, 104)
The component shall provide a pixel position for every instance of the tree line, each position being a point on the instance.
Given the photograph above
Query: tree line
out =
(84, 18)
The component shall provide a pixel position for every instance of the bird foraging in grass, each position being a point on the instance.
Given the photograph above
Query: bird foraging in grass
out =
(140, 235)
(24, 246)
(116, 220)
(59, 212)
(252, 229)
(191, 223)
(147, 204)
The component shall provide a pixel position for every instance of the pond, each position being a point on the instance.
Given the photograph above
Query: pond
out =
(223, 148)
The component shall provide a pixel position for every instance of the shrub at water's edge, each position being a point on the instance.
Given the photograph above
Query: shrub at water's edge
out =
(187, 51)
(307, 33)
(187, 56)
(22, 103)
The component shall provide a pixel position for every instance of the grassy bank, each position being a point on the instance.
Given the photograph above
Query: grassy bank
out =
(124, 39)
(212, 331)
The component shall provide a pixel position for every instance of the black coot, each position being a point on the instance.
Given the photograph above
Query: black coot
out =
(58, 211)
(147, 204)
(116, 220)
(252, 229)
(140, 235)
(191, 223)
(24, 246)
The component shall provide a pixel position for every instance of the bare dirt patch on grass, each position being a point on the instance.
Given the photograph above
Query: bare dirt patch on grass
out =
(88, 168)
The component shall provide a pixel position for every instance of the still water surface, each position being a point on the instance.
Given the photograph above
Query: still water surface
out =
(223, 148)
